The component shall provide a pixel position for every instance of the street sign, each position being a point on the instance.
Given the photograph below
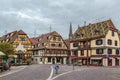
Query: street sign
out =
(56, 67)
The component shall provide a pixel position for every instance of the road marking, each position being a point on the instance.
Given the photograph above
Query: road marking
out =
(51, 74)
(66, 73)
(23, 67)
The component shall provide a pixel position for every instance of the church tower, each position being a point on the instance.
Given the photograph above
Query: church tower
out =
(70, 32)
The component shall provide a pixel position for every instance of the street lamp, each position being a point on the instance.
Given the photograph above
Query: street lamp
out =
(73, 64)
(87, 53)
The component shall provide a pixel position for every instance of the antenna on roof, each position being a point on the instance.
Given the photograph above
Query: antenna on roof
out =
(50, 28)
(5, 32)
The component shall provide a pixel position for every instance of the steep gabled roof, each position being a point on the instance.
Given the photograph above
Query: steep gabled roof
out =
(90, 31)
(21, 32)
(34, 40)
(43, 39)
(10, 37)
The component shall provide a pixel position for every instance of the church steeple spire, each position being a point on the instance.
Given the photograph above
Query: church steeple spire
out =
(70, 31)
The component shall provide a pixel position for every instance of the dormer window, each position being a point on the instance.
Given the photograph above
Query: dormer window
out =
(97, 31)
(82, 34)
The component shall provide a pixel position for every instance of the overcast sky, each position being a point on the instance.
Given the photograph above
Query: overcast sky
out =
(37, 15)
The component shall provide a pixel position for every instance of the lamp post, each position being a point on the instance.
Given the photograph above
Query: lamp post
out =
(87, 53)
(73, 64)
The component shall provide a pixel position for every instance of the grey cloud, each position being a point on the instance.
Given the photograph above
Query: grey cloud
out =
(31, 15)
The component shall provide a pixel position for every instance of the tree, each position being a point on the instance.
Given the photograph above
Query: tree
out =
(7, 48)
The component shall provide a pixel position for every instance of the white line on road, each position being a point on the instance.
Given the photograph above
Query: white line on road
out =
(23, 67)
(65, 73)
(51, 74)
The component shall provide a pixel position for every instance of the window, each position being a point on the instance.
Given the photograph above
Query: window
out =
(59, 39)
(84, 43)
(117, 51)
(109, 42)
(82, 34)
(16, 45)
(75, 53)
(54, 38)
(99, 51)
(82, 52)
(109, 51)
(97, 31)
(99, 42)
(115, 43)
(47, 38)
(22, 39)
(59, 45)
(42, 44)
(75, 44)
(49, 59)
(25, 46)
(113, 34)
(53, 45)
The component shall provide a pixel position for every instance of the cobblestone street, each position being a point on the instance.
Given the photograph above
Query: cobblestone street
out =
(32, 72)
(42, 72)
(90, 73)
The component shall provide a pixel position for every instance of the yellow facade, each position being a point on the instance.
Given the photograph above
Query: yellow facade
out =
(25, 42)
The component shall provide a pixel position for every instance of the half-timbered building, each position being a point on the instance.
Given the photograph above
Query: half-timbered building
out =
(96, 44)
(21, 43)
(49, 48)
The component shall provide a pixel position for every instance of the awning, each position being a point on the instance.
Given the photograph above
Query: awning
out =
(1, 53)
(96, 58)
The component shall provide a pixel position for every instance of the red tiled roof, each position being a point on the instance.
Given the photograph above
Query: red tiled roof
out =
(10, 37)
(43, 39)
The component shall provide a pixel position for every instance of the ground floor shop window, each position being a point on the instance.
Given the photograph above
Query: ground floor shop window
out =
(96, 62)
(109, 62)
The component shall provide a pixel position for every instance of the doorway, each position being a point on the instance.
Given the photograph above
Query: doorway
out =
(109, 62)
